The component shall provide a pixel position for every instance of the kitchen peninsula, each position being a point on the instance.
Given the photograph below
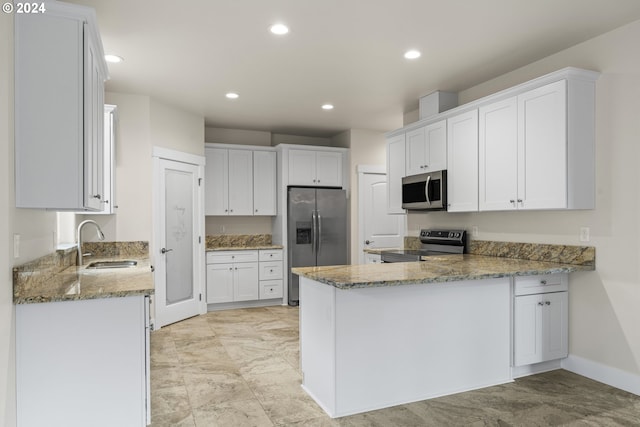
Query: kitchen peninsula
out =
(379, 335)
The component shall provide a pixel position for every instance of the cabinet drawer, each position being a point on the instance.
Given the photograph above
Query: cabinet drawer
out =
(527, 285)
(271, 255)
(270, 289)
(271, 270)
(231, 256)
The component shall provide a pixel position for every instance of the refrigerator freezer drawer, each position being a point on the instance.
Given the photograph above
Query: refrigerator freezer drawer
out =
(271, 270)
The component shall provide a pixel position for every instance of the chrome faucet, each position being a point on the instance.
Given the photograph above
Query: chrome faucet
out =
(79, 236)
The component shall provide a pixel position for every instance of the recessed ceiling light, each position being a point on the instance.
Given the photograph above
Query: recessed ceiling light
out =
(279, 29)
(232, 95)
(113, 58)
(412, 54)
(327, 107)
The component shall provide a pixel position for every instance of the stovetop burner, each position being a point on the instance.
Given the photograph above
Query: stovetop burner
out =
(434, 242)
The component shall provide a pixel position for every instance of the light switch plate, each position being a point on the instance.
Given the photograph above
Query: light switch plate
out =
(585, 234)
(16, 246)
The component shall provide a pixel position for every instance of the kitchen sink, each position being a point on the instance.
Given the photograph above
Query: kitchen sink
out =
(113, 264)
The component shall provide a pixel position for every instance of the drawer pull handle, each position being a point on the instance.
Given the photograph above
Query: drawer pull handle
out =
(543, 282)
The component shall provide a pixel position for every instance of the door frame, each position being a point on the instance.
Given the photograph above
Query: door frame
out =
(362, 170)
(160, 153)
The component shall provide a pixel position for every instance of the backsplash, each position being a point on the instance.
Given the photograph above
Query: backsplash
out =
(565, 254)
(238, 240)
(111, 249)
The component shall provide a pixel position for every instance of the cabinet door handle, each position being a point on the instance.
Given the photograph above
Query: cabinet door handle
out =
(547, 302)
(97, 196)
(519, 200)
(512, 201)
(256, 210)
(540, 303)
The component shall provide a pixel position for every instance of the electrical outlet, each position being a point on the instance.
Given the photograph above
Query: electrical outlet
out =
(584, 234)
(474, 231)
(16, 246)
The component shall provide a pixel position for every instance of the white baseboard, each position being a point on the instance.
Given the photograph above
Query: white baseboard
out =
(614, 377)
(537, 368)
(243, 304)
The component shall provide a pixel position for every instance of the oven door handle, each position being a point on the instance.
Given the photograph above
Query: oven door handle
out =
(426, 189)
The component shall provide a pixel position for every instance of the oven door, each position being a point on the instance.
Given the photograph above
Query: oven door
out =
(427, 191)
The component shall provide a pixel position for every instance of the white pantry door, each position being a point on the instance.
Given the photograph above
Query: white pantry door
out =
(378, 229)
(178, 277)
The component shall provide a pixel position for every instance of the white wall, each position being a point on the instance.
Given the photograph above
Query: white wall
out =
(176, 129)
(366, 148)
(604, 305)
(7, 313)
(143, 123)
(36, 228)
(237, 136)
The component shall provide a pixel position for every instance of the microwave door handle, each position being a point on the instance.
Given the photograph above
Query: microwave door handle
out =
(426, 189)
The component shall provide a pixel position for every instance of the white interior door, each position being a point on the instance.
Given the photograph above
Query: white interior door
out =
(178, 261)
(378, 229)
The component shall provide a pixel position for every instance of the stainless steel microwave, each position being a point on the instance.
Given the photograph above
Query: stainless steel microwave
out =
(426, 191)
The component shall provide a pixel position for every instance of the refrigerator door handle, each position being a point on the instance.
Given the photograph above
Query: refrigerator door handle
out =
(314, 232)
(319, 238)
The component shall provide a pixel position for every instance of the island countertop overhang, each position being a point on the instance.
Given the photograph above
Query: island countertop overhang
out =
(434, 269)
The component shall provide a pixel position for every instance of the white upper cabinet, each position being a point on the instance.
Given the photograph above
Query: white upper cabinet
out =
(542, 147)
(498, 155)
(536, 149)
(395, 173)
(264, 183)
(59, 101)
(228, 182)
(240, 181)
(108, 167)
(315, 168)
(216, 178)
(462, 164)
(426, 149)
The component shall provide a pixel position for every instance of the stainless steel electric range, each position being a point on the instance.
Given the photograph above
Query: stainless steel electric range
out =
(433, 242)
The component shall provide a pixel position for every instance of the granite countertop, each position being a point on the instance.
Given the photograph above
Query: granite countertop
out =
(80, 283)
(244, 248)
(378, 251)
(435, 269)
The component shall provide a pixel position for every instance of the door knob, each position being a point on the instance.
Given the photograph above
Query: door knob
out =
(164, 250)
(367, 242)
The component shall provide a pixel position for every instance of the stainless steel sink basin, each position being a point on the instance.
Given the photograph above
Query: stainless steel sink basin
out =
(113, 264)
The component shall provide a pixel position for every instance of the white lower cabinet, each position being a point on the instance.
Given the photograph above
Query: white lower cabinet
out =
(271, 274)
(249, 275)
(540, 323)
(83, 363)
(232, 276)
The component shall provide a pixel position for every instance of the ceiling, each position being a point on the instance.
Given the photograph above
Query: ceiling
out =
(345, 52)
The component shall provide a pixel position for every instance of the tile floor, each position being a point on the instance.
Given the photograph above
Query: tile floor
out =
(240, 368)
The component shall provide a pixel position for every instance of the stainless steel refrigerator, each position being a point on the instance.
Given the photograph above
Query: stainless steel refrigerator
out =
(317, 230)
